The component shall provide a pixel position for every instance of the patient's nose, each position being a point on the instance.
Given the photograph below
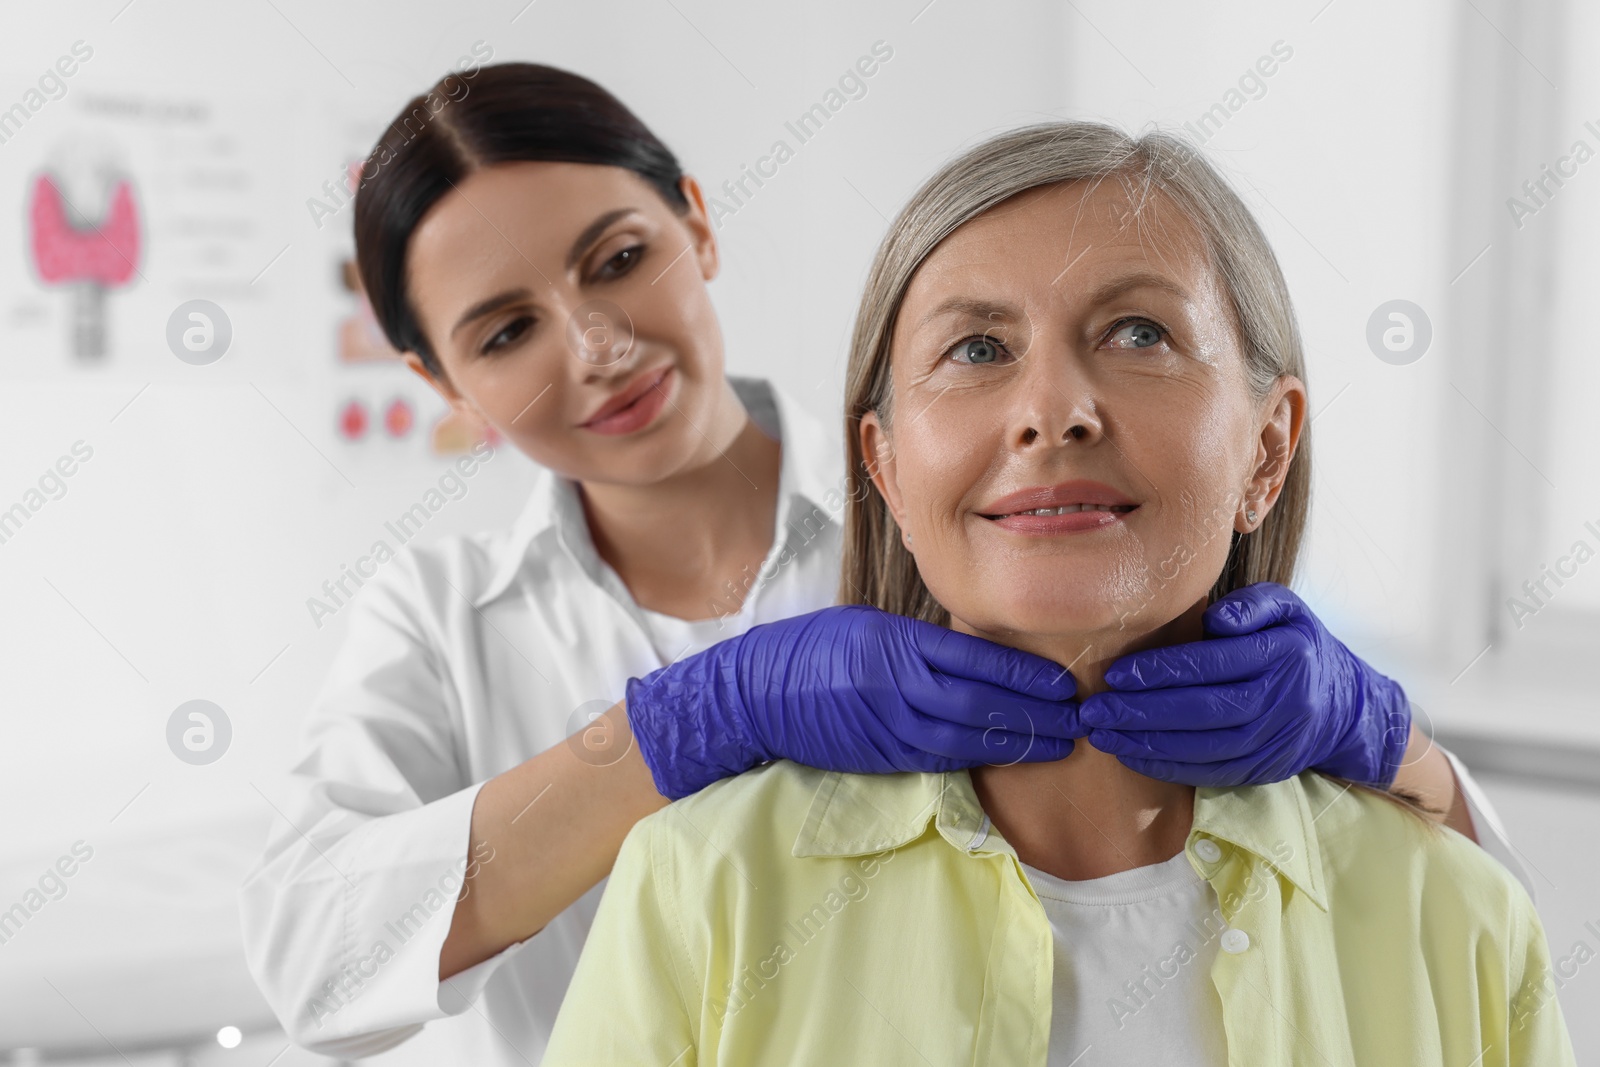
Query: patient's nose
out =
(1057, 404)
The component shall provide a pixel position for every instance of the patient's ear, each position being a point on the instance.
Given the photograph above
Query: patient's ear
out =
(1284, 413)
(877, 451)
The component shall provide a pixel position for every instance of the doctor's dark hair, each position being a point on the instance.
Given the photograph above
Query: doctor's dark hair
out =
(500, 113)
(878, 569)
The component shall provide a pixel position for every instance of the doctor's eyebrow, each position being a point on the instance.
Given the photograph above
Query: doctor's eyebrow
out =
(591, 233)
(489, 307)
(580, 245)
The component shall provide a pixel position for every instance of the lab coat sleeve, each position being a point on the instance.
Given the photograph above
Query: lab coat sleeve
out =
(631, 996)
(1487, 825)
(344, 915)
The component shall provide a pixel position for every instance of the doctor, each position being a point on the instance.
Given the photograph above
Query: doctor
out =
(471, 768)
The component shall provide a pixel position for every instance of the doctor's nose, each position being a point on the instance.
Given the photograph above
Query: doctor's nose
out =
(600, 335)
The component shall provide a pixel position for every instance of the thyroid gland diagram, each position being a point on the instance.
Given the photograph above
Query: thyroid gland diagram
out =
(88, 258)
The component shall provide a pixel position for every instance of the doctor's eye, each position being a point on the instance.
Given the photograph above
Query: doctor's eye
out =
(507, 335)
(621, 263)
(1138, 333)
(975, 350)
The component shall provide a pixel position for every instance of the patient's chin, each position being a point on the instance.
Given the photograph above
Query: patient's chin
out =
(1010, 623)
(1099, 619)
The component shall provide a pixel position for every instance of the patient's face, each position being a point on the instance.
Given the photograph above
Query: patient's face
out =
(1058, 344)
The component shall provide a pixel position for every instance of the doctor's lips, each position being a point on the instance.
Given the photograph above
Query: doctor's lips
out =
(1065, 508)
(633, 407)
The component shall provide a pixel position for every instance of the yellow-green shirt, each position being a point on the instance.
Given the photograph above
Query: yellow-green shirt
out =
(800, 917)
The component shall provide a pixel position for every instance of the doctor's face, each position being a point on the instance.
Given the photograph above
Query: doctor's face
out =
(567, 304)
(1073, 438)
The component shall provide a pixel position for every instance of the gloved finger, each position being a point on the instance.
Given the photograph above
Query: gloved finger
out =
(966, 656)
(1210, 662)
(1252, 608)
(1271, 762)
(979, 704)
(974, 747)
(1185, 709)
(1188, 746)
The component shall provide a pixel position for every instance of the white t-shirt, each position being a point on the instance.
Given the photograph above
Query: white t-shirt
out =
(674, 638)
(1133, 955)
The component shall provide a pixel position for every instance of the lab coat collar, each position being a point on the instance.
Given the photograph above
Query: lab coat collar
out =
(811, 468)
(857, 814)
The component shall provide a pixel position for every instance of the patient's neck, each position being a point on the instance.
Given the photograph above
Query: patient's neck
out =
(1088, 816)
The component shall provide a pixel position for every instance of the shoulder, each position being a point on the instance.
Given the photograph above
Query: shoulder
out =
(461, 564)
(771, 797)
(751, 818)
(1370, 844)
(442, 576)
(1420, 911)
(414, 583)
(445, 576)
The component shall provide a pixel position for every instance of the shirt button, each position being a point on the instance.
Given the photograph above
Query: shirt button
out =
(1234, 941)
(1207, 850)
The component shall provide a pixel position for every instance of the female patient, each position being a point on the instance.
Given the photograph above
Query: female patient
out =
(1075, 389)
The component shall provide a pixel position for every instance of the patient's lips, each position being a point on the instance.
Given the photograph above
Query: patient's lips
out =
(1070, 507)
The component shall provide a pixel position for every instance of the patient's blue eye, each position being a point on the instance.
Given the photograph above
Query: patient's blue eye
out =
(977, 350)
(1139, 334)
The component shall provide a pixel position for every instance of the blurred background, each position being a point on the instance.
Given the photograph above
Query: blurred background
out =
(197, 433)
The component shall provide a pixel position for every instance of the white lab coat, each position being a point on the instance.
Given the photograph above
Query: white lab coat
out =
(462, 661)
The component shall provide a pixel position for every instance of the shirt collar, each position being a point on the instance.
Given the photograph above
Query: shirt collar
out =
(811, 467)
(857, 814)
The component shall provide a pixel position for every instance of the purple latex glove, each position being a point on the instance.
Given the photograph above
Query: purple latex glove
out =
(1271, 694)
(850, 689)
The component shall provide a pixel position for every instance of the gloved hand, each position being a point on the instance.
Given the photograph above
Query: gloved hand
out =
(1269, 695)
(849, 688)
